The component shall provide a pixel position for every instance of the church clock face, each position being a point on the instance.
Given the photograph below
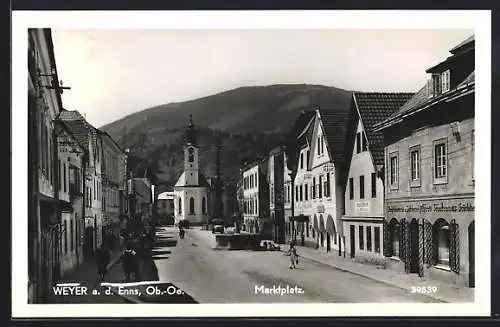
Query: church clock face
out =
(190, 154)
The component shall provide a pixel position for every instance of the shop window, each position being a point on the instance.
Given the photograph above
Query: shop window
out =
(377, 239)
(361, 238)
(440, 162)
(351, 188)
(394, 233)
(442, 242)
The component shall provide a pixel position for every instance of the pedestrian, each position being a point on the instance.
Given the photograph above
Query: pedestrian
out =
(102, 258)
(294, 258)
(130, 263)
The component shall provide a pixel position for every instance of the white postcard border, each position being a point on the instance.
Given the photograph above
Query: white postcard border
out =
(479, 20)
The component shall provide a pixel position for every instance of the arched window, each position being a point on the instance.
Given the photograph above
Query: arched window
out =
(204, 205)
(191, 206)
(442, 242)
(394, 230)
(180, 206)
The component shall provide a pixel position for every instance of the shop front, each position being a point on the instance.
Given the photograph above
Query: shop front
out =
(432, 238)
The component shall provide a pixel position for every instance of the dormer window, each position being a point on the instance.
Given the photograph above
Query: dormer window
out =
(436, 84)
(445, 81)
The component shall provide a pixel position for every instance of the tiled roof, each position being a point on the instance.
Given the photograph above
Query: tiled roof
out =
(421, 98)
(80, 127)
(202, 181)
(375, 108)
(464, 42)
(335, 124)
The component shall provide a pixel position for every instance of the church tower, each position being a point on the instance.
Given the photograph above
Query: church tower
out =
(191, 159)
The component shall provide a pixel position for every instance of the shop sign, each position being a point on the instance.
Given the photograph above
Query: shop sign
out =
(362, 206)
(441, 206)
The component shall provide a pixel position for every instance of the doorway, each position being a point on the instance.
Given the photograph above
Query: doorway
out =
(413, 240)
(328, 242)
(472, 273)
(353, 240)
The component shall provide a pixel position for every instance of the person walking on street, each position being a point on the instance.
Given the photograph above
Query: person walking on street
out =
(294, 258)
(130, 263)
(103, 259)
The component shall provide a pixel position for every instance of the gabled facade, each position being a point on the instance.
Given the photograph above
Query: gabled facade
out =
(363, 220)
(429, 179)
(318, 179)
(71, 160)
(88, 136)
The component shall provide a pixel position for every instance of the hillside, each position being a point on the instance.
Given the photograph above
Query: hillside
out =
(250, 120)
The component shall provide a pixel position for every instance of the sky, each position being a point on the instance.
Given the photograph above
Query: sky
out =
(113, 73)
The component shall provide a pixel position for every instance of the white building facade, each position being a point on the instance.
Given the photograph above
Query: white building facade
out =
(251, 198)
(363, 221)
(191, 192)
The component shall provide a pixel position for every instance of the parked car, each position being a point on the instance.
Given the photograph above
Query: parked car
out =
(218, 229)
(230, 230)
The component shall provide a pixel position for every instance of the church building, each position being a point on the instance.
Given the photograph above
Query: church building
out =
(192, 189)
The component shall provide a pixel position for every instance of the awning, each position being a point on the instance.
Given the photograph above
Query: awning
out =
(300, 218)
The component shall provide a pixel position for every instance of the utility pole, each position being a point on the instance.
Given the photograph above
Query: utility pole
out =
(218, 186)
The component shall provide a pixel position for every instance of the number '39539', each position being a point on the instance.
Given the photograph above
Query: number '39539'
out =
(424, 289)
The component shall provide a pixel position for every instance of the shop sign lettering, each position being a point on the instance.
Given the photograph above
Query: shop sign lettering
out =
(436, 207)
(362, 206)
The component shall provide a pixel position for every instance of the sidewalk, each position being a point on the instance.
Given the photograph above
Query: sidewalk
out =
(446, 292)
(86, 275)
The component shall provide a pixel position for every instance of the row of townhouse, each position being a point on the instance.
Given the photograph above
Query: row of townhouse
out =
(389, 179)
(76, 175)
